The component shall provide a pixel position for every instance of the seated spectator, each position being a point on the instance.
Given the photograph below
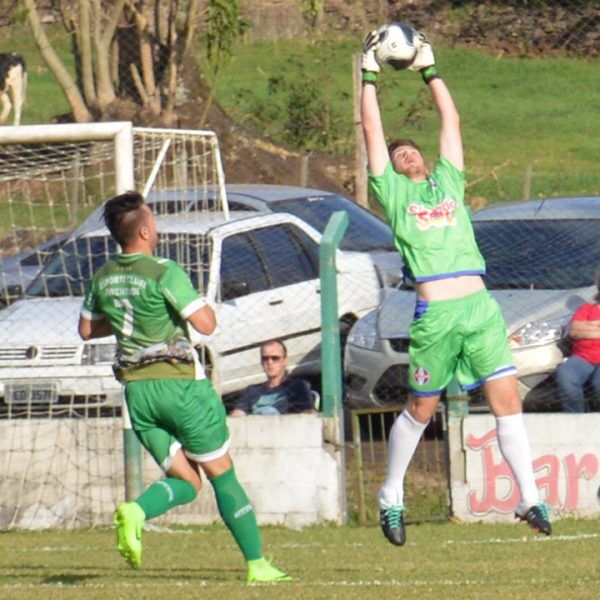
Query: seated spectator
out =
(583, 366)
(279, 394)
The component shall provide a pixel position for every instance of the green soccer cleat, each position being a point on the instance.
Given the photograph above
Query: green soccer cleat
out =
(129, 520)
(262, 571)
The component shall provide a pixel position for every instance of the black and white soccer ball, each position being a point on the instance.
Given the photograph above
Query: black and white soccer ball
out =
(397, 47)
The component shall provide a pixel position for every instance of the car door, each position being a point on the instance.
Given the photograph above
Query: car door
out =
(268, 289)
(248, 311)
(292, 260)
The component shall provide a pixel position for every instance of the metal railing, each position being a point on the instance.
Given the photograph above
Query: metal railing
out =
(426, 485)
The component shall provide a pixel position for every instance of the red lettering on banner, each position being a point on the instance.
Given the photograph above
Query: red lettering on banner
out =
(491, 474)
(548, 482)
(487, 499)
(587, 468)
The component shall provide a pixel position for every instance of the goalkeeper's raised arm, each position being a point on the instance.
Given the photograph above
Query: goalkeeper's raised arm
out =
(404, 154)
(377, 151)
(450, 138)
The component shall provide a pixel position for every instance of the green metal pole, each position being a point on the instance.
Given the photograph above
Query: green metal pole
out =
(457, 408)
(132, 448)
(457, 400)
(331, 372)
(133, 459)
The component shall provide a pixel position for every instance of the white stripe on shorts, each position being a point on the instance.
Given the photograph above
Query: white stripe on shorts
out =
(210, 455)
(166, 464)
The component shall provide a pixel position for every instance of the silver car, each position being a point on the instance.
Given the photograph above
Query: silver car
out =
(366, 233)
(17, 271)
(541, 257)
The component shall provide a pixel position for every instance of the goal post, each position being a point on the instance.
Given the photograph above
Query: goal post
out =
(120, 132)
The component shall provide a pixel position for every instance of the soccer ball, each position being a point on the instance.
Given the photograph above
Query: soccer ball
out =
(396, 45)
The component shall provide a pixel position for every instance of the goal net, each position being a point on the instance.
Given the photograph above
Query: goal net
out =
(62, 442)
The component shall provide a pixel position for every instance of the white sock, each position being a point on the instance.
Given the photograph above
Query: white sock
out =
(404, 438)
(514, 447)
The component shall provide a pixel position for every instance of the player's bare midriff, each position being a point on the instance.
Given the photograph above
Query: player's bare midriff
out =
(452, 287)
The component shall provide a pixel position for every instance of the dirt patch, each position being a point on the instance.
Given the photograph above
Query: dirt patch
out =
(250, 158)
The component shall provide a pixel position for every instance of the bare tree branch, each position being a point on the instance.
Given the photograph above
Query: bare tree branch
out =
(123, 50)
(138, 83)
(147, 62)
(84, 42)
(189, 29)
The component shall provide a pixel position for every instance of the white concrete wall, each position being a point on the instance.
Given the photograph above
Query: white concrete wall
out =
(565, 451)
(68, 472)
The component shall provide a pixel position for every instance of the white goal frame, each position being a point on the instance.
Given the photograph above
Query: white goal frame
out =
(124, 139)
(119, 131)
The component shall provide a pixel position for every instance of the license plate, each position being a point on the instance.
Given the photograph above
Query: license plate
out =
(34, 393)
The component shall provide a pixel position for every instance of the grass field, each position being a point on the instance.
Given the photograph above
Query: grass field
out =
(445, 560)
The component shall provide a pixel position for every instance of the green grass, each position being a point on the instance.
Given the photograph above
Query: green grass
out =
(444, 560)
(515, 112)
(45, 98)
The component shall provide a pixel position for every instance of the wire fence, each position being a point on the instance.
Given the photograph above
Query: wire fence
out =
(254, 251)
(427, 487)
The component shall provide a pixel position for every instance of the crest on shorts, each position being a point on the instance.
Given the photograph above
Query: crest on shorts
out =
(421, 375)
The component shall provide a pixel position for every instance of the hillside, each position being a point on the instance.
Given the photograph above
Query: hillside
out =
(499, 28)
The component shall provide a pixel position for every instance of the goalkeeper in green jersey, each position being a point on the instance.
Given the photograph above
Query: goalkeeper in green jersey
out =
(458, 328)
(147, 303)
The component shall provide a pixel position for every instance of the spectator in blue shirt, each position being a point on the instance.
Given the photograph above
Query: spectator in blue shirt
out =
(279, 394)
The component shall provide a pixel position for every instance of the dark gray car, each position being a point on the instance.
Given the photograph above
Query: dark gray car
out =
(541, 257)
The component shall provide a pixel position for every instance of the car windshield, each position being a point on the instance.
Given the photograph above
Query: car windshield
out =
(539, 254)
(71, 268)
(365, 231)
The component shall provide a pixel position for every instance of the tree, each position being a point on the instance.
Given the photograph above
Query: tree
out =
(124, 51)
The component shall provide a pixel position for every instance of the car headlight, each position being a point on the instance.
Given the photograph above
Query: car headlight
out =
(364, 332)
(96, 354)
(540, 332)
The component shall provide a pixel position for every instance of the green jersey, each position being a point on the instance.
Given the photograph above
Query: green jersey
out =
(430, 222)
(147, 300)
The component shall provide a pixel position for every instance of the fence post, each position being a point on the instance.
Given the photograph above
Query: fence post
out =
(133, 458)
(331, 360)
(331, 368)
(457, 401)
(132, 449)
(360, 150)
(457, 408)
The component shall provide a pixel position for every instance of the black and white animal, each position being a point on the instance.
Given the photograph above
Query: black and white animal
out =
(13, 85)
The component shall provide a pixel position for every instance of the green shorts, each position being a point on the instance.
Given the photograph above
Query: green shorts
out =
(465, 337)
(167, 414)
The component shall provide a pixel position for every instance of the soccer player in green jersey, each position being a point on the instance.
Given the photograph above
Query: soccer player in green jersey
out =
(148, 303)
(458, 327)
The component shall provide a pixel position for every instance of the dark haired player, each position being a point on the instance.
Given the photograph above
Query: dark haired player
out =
(147, 303)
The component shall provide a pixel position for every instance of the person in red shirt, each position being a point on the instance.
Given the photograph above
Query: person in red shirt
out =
(583, 366)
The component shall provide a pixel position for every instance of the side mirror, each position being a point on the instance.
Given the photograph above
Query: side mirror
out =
(234, 289)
